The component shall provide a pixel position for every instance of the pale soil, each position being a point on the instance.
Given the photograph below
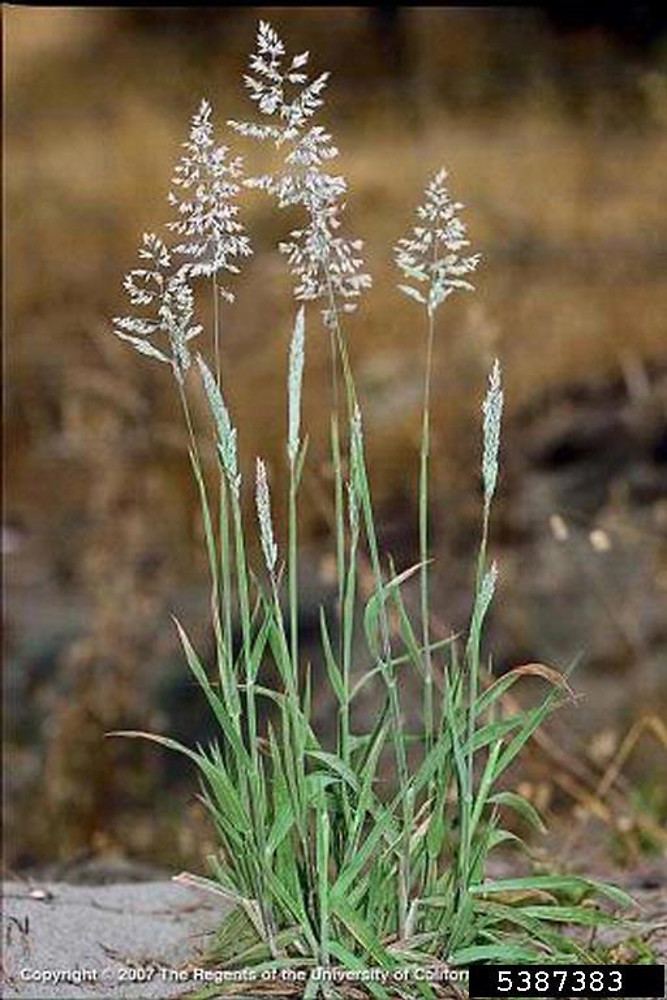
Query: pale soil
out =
(114, 929)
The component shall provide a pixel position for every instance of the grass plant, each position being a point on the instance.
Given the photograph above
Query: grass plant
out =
(320, 866)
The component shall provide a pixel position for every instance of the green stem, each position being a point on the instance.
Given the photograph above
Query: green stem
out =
(424, 539)
(473, 670)
(293, 573)
(223, 500)
(348, 635)
(339, 517)
(293, 656)
(244, 608)
(225, 563)
(210, 539)
(216, 330)
(385, 660)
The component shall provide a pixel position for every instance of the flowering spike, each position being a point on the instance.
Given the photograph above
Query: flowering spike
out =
(263, 503)
(430, 258)
(492, 408)
(225, 430)
(294, 384)
(206, 183)
(486, 592)
(164, 302)
(325, 264)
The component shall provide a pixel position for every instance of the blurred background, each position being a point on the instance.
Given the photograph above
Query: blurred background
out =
(553, 124)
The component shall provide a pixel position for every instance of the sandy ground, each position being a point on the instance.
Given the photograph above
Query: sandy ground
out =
(135, 939)
(115, 932)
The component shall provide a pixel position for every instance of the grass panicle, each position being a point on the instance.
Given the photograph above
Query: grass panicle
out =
(320, 258)
(205, 187)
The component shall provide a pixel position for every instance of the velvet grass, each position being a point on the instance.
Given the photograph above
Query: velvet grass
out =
(322, 865)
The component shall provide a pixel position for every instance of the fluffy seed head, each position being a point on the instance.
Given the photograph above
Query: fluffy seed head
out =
(326, 265)
(430, 257)
(206, 184)
(164, 307)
